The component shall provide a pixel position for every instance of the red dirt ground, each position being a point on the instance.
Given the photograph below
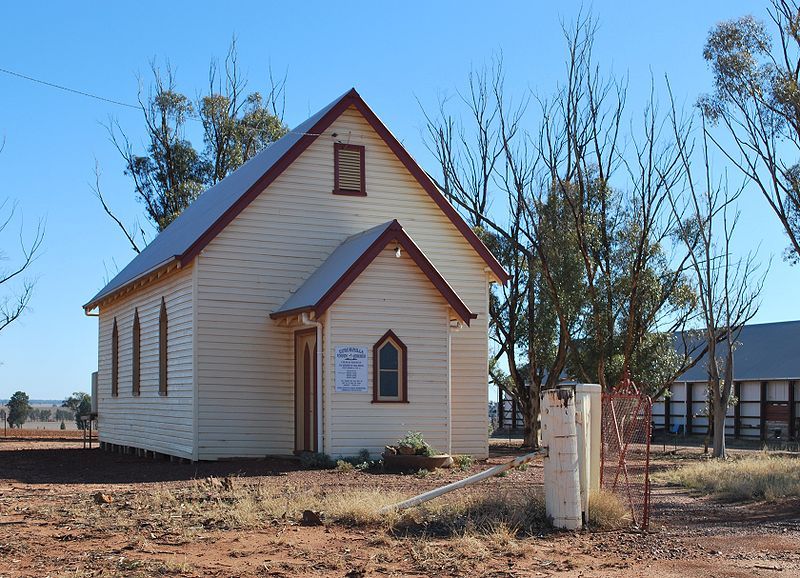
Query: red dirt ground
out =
(47, 528)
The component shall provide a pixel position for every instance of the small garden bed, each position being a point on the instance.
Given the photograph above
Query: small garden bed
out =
(412, 453)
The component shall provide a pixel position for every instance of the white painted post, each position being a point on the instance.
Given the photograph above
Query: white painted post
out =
(561, 475)
(582, 430)
(594, 394)
(588, 405)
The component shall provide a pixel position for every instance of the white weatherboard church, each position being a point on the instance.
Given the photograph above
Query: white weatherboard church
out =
(323, 297)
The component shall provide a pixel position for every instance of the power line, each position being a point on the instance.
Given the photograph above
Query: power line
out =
(67, 89)
(118, 103)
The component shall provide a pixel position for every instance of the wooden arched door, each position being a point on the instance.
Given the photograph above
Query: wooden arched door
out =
(305, 390)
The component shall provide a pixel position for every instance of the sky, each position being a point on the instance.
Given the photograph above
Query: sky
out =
(399, 56)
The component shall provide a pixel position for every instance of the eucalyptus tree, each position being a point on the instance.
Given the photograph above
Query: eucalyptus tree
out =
(172, 170)
(728, 287)
(597, 284)
(756, 100)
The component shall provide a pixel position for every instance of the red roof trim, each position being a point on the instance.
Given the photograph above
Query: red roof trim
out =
(354, 99)
(394, 232)
(430, 187)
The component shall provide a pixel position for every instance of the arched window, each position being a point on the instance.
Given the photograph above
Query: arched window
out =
(390, 370)
(162, 349)
(136, 354)
(114, 359)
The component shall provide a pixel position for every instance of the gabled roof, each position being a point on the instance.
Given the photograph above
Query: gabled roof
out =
(349, 260)
(201, 221)
(765, 351)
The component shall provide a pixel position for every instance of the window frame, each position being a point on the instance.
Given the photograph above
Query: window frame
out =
(402, 366)
(115, 359)
(337, 147)
(163, 348)
(136, 355)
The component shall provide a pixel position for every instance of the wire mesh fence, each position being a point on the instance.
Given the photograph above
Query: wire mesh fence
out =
(625, 459)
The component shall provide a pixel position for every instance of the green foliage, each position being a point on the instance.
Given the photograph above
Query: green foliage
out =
(80, 403)
(463, 462)
(63, 414)
(360, 462)
(416, 442)
(19, 408)
(635, 287)
(63, 426)
(172, 170)
(757, 99)
(344, 466)
(317, 461)
(40, 414)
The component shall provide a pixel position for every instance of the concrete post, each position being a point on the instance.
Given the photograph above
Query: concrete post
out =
(561, 464)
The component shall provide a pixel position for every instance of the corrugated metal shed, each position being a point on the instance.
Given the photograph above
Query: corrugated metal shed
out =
(765, 351)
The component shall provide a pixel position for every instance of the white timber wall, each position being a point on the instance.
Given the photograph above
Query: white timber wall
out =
(245, 365)
(391, 294)
(149, 421)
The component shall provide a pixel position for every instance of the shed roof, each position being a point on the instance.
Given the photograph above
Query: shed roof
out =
(348, 261)
(217, 206)
(765, 351)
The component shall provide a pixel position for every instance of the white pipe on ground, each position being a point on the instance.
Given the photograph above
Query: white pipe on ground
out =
(479, 477)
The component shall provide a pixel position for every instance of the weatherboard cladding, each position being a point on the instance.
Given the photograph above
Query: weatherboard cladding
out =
(332, 269)
(198, 223)
(347, 261)
(765, 351)
(204, 211)
(245, 363)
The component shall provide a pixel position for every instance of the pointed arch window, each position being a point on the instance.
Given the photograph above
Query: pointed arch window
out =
(162, 349)
(136, 355)
(390, 370)
(114, 359)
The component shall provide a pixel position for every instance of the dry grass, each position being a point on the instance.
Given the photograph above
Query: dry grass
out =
(519, 513)
(759, 477)
(607, 511)
(233, 504)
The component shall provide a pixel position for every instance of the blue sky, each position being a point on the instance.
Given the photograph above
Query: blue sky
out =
(395, 54)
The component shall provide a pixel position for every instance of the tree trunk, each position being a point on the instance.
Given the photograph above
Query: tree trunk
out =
(712, 411)
(529, 433)
(719, 450)
(532, 419)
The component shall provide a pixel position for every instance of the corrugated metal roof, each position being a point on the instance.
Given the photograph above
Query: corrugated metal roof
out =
(201, 214)
(765, 351)
(351, 258)
(335, 266)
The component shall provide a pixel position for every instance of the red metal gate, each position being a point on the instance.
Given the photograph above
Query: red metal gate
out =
(625, 459)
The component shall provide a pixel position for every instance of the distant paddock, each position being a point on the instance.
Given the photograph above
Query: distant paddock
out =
(33, 433)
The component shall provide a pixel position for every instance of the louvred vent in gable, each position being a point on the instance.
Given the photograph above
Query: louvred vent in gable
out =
(349, 169)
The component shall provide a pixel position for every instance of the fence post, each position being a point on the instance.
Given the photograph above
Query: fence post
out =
(561, 464)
